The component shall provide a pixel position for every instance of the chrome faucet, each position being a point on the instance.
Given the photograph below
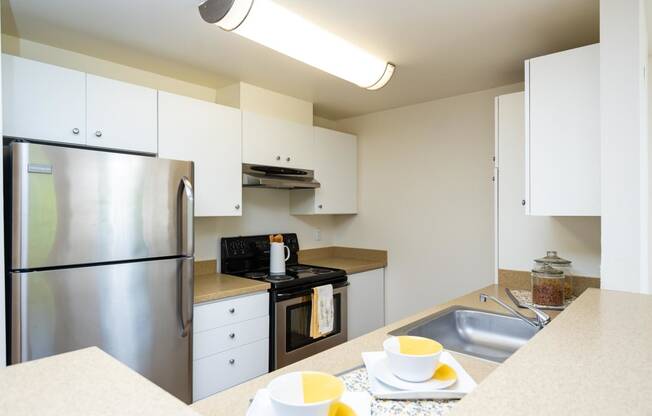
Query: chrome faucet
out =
(541, 318)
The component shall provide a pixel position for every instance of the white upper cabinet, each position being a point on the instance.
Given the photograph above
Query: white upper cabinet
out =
(120, 115)
(336, 168)
(562, 110)
(210, 135)
(42, 101)
(275, 142)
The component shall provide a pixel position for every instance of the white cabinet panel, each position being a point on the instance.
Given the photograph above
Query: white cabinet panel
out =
(217, 340)
(366, 302)
(120, 115)
(42, 101)
(210, 135)
(229, 311)
(336, 168)
(221, 371)
(276, 142)
(563, 133)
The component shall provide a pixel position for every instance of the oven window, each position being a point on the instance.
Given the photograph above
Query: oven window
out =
(297, 322)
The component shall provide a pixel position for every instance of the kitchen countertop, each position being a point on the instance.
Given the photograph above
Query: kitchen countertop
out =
(352, 260)
(595, 359)
(210, 287)
(84, 382)
(348, 355)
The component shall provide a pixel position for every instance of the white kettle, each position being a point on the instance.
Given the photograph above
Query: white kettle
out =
(279, 253)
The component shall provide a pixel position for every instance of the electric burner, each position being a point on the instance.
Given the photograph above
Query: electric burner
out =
(278, 278)
(256, 275)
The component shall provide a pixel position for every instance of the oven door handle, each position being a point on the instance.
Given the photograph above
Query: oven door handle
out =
(308, 292)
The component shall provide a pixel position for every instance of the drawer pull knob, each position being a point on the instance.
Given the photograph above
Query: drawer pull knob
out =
(232, 310)
(231, 335)
(231, 361)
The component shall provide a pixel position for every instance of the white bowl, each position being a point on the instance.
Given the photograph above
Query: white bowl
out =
(419, 363)
(305, 393)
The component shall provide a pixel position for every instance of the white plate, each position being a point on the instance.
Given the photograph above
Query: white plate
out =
(382, 372)
(464, 385)
(262, 404)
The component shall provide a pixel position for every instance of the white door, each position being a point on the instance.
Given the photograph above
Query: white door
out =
(210, 135)
(42, 101)
(366, 302)
(336, 169)
(120, 115)
(275, 142)
(563, 133)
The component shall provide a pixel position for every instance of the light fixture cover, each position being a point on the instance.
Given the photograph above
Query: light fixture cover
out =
(271, 25)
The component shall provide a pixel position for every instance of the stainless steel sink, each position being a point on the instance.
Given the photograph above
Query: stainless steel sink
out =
(482, 334)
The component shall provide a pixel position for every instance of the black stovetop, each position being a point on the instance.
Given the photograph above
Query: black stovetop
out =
(249, 257)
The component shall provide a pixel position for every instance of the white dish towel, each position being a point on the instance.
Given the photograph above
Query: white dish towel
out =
(323, 311)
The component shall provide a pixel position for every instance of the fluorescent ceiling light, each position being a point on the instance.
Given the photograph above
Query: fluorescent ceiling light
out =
(269, 24)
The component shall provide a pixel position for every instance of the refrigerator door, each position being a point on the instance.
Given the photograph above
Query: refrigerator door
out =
(140, 313)
(78, 206)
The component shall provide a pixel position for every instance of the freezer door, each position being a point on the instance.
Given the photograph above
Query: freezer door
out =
(79, 206)
(140, 313)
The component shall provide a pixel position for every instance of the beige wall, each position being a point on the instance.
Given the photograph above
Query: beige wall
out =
(265, 211)
(426, 195)
(522, 238)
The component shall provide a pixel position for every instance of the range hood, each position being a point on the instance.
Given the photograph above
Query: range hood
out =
(261, 176)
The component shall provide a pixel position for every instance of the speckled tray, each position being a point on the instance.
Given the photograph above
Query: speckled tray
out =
(357, 379)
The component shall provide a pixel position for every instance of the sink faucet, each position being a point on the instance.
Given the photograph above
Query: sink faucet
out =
(541, 318)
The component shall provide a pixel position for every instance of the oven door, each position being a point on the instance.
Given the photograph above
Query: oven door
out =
(292, 326)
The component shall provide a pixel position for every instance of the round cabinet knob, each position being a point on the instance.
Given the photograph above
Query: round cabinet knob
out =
(288, 159)
(232, 310)
(523, 202)
(278, 157)
(98, 134)
(75, 131)
(231, 335)
(237, 206)
(231, 361)
(320, 206)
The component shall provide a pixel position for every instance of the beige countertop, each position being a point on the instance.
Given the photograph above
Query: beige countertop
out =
(210, 286)
(346, 356)
(352, 260)
(216, 286)
(595, 359)
(82, 383)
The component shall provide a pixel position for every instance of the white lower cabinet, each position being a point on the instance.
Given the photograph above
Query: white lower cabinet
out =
(366, 302)
(220, 371)
(230, 343)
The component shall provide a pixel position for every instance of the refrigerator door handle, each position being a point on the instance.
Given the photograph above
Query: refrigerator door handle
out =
(186, 283)
(187, 213)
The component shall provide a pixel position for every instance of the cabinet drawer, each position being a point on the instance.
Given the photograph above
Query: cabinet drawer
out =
(217, 340)
(221, 371)
(230, 311)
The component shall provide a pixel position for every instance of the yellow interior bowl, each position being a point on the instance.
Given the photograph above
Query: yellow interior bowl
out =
(411, 345)
(319, 387)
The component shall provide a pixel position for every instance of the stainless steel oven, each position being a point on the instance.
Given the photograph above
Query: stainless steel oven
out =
(291, 326)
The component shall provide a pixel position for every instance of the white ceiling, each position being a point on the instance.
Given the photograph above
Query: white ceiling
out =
(441, 47)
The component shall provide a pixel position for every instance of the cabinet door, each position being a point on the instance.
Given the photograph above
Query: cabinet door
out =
(120, 116)
(210, 135)
(276, 142)
(42, 101)
(336, 169)
(366, 302)
(563, 133)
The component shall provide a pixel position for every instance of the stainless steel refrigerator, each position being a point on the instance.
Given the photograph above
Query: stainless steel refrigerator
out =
(101, 254)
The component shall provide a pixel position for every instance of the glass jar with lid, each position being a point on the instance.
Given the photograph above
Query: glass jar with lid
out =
(559, 263)
(547, 286)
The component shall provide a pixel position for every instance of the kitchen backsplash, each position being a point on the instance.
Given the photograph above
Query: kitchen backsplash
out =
(264, 211)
